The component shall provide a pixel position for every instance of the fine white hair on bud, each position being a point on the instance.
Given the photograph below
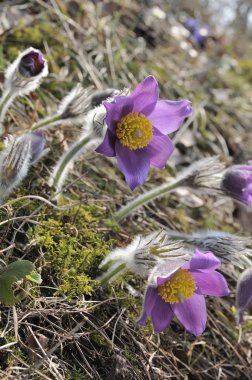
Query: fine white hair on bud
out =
(14, 164)
(25, 73)
(145, 256)
(21, 77)
(93, 132)
(230, 248)
(75, 105)
(205, 173)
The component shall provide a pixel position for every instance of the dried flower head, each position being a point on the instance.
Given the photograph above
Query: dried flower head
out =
(143, 255)
(243, 293)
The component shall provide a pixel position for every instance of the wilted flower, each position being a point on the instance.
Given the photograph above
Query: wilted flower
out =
(243, 293)
(199, 31)
(137, 128)
(237, 183)
(182, 294)
(230, 248)
(143, 255)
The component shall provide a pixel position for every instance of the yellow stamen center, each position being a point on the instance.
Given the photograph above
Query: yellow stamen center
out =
(178, 288)
(134, 130)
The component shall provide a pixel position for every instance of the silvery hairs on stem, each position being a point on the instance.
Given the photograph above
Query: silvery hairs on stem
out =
(93, 132)
(149, 256)
(203, 174)
(230, 248)
(75, 106)
(22, 76)
(16, 158)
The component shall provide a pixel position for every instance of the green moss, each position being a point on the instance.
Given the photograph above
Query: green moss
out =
(73, 248)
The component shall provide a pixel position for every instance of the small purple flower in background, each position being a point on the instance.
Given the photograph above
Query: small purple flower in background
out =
(182, 294)
(237, 183)
(243, 293)
(137, 128)
(31, 64)
(199, 31)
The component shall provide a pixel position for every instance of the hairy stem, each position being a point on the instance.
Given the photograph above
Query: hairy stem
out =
(113, 273)
(146, 198)
(54, 119)
(68, 157)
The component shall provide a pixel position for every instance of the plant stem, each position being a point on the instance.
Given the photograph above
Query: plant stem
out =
(5, 101)
(146, 198)
(69, 156)
(110, 275)
(45, 122)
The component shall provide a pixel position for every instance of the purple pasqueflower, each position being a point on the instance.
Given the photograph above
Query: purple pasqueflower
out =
(182, 294)
(31, 64)
(237, 183)
(243, 293)
(138, 125)
(199, 31)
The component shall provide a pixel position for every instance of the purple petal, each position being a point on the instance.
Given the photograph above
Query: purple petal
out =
(161, 315)
(134, 164)
(31, 64)
(168, 115)
(160, 149)
(107, 147)
(121, 106)
(192, 314)
(145, 96)
(211, 283)
(149, 302)
(244, 293)
(37, 141)
(201, 260)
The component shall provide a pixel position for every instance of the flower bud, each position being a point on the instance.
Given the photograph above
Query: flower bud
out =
(146, 256)
(25, 73)
(14, 164)
(31, 64)
(237, 183)
(243, 293)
